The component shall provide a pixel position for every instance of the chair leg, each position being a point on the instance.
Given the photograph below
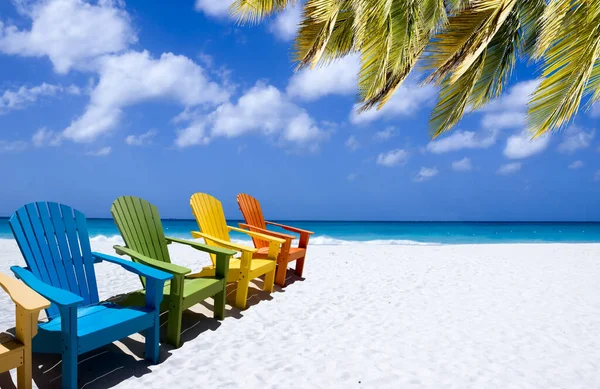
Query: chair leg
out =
(299, 266)
(24, 371)
(174, 326)
(241, 294)
(219, 306)
(269, 281)
(281, 273)
(69, 352)
(152, 335)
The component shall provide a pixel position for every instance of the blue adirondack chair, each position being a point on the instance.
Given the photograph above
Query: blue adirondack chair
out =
(54, 241)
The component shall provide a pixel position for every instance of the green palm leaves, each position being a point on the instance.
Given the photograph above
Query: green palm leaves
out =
(467, 47)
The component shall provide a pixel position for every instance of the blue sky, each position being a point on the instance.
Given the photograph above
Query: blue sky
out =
(106, 98)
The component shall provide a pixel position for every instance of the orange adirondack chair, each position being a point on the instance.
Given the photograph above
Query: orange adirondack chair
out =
(255, 221)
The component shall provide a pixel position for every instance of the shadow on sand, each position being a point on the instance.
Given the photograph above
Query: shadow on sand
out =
(110, 365)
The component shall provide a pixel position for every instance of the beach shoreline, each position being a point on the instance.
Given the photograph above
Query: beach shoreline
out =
(373, 316)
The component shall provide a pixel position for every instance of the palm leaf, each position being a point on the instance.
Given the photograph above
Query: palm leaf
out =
(254, 11)
(454, 97)
(569, 67)
(454, 50)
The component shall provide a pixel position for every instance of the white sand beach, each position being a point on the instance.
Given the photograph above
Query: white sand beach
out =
(367, 316)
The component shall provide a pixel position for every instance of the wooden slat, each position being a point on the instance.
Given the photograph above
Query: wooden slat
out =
(134, 225)
(53, 246)
(86, 252)
(61, 231)
(160, 233)
(40, 236)
(209, 215)
(39, 267)
(141, 224)
(141, 227)
(82, 281)
(252, 213)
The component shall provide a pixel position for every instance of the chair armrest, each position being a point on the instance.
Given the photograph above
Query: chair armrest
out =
(139, 269)
(274, 243)
(221, 242)
(164, 266)
(22, 295)
(60, 297)
(258, 235)
(202, 247)
(222, 256)
(267, 232)
(290, 228)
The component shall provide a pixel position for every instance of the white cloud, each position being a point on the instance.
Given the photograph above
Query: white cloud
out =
(352, 177)
(102, 152)
(597, 175)
(595, 111)
(509, 168)
(514, 99)
(521, 145)
(8, 146)
(44, 137)
(576, 165)
(462, 165)
(20, 98)
(264, 110)
(192, 135)
(214, 8)
(70, 33)
(286, 23)
(426, 173)
(575, 138)
(135, 77)
(141, 139)
(406, 101)
(337, 78)
(458, 140)
(352, 143)
(510, 109)
(385, 134)
(504, 120)
(392, 158)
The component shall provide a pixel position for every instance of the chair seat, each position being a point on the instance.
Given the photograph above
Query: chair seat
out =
(294, 254)
(97, 325)
(192, 286)
(11, 352)
(96, 318)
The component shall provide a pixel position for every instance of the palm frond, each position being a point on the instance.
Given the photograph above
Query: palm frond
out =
(453, 99)
(406, 27)
(316, 29)
(570, 63)
(326, 32)
(500, 58)
(550, 24)
(454, 50)
(254, 11)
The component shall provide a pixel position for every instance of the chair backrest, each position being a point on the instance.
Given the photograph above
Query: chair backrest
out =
(140, 226)
(209, 215)
(54, 241)
(252, 213)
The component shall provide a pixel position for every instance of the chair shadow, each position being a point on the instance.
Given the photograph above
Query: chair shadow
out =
(102, 368)
(290, 278)
(6, 381)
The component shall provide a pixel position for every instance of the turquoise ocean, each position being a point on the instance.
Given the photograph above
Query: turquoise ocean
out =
(338, 232)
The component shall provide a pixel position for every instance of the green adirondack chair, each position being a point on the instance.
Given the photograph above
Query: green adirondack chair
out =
(145, 240)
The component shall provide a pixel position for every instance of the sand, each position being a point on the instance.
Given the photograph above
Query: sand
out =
(369, 316)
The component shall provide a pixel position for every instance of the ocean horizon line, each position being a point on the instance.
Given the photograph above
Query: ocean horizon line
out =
(378, 221)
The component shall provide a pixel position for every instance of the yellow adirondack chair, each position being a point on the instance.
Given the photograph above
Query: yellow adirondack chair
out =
(215, 231)
(16, 353)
